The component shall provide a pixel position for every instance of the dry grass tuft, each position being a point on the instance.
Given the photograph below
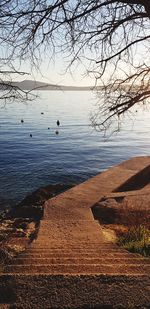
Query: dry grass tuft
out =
(136, 240)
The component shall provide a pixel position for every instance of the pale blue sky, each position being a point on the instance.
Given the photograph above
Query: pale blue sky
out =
(54, 72)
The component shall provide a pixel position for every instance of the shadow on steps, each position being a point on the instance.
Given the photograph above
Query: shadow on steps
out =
(136, 182)
(7, 294)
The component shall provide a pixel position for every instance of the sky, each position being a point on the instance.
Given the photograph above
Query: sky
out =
(54, 72)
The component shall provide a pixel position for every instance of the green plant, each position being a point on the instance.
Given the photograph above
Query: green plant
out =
(137, 239)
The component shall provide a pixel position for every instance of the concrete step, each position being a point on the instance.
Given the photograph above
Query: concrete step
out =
(51, 254)
(79, 260)
(65, 240)
(119, 269)
(78, 249)
(72, 238)
(72, 247)
(81, 233)
(70, 225)
(75, 250)
(71, 222)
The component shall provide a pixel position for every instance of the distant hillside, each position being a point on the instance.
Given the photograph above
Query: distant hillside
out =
(31, 85)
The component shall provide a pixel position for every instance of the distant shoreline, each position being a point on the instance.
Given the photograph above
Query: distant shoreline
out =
(32, 85)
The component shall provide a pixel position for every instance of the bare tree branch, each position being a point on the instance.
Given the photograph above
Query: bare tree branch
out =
(110, 37)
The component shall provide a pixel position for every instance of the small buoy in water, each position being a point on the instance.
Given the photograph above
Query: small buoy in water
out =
(58, 123)
(42, 113)
(22, 120)
(56, 132)
(48, 128)
(30, 135)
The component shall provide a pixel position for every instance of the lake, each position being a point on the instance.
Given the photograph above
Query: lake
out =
(72, 156)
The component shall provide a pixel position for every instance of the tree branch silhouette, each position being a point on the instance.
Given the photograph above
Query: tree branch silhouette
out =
(111, 38)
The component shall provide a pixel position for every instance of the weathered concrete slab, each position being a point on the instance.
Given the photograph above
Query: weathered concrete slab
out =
(72, 292)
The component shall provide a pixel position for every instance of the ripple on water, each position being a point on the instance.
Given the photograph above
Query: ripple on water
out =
(75, 154)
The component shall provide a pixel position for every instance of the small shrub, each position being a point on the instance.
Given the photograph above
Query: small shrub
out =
(137, 240)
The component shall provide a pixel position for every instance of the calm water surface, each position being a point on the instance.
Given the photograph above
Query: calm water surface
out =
(75, 154)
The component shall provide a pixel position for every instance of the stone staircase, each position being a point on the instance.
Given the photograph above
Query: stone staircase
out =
(71, 264)
(79, 248)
